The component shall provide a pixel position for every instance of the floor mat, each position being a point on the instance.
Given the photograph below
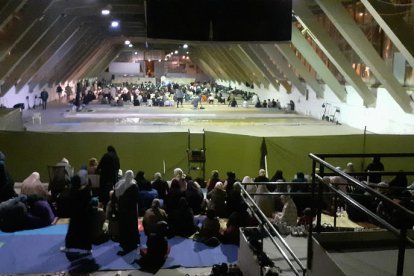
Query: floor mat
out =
(37, 251)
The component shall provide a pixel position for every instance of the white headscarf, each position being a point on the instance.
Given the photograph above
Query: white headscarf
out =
(122, 185)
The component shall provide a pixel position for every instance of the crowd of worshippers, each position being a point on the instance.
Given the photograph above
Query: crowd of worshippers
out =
(177, 207)
(165, 94)
(148, 94)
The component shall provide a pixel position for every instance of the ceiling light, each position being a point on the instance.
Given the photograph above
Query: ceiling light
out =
(127, 42)
(130, 45)
(176, 52)
(114, 24)
(105, 12)
(136, 53)
(187, 53)
(185, 46)
(159, 60)
(183, 57)
(172, 53)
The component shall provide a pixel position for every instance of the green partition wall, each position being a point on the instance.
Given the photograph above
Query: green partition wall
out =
(33, 151)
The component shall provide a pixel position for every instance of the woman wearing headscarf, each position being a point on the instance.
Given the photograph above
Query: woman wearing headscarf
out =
(108, 169)
(266, 203)
(32, 186)
(289, 214)
(180, 177)
(217, 200)
(78, 235)
(126, 198)
(250, 189)
(181, 220)
(213, 180)
(195, 197)
(173, 196)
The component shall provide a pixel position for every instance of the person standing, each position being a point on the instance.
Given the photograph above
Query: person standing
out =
(78, 236)
(59, 91)
(126, 191)
(44, 96)
(108, 169)
(179, 95)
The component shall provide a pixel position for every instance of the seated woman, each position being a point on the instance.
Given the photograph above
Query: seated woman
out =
(213, 180)
(210, 230)
(217, 200)
(40, 213)
(152, 216)
(154, 256)
(181, 220)
(289, 214)
(173, 196)
(32, 186)
(266, 203)
(146, 195)
(195, 197)
(92, 166)
(13, 214)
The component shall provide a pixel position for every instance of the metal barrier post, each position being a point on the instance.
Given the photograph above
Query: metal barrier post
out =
(401, 251)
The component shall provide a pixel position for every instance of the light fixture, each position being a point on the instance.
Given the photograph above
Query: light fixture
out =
(127, 42)
(172, 53)
(114, 24)
(187, 57)
(130, 45)
(185, 46)
(176, 52)
(105, 12)
(183, 57)
(187, 52)
(159, 60)
(136, 53)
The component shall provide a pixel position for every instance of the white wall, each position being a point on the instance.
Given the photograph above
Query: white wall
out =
(13, 97)
(385, 118)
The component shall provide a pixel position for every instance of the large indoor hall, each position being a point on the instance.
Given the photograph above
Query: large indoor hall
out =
(206, 137)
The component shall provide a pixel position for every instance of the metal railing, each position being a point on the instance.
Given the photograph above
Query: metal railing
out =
(272, 233)
(317, 180)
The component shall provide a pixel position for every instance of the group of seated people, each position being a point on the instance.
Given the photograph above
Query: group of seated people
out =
(184, 206)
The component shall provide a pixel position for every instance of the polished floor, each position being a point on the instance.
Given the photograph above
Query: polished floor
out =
(262, 122)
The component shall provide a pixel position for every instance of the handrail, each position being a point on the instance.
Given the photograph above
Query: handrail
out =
(257, 212)
(361, 185)
(365, 155)
(400, 233)
(355, 203)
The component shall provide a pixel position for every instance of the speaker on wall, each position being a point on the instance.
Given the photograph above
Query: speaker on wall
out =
(220, 20)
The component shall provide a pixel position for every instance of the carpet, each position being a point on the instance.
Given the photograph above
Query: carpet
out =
(37, 251)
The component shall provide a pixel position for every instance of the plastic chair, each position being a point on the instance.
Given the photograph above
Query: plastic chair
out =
(37, 116)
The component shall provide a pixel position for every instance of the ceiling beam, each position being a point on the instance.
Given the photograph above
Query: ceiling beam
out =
(283, 65)
(212, 62)
(315, 61)
(61, 36)
(261, 66)
(234, 62)
(55, 61)
(16, 30)
(340, 17)
(250, 64)
(78, 54)
(392, 22)
(332, 51)
(104, 62)
(9, 9)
